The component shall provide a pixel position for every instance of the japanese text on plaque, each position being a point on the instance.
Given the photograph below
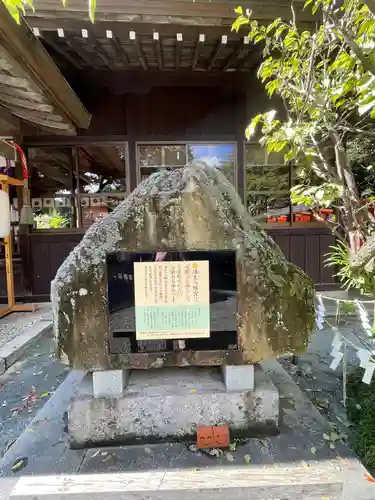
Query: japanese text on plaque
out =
(172, 300)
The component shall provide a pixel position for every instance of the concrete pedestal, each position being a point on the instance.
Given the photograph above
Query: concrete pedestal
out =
(168, 405)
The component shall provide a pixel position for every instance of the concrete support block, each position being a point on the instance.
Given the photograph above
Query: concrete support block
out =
(2, 366)
(238, 377)
(168, 404)
(109, 383)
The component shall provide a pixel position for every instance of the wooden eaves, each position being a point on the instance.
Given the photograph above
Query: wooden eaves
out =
(31, 86)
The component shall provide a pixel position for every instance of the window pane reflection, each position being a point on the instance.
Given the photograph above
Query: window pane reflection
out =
(51, 187)
(101, 169)
(73, 186)
(255, 154)
(151, 157)
(222, 156)
(269, 208)
(266, 178)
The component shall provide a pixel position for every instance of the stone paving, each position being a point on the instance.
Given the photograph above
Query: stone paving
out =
(14, 324)
(26, 387)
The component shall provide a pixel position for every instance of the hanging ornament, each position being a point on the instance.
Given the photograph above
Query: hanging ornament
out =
(26, 215)
(4, 214)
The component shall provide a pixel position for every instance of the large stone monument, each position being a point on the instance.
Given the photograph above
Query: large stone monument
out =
(179, 214)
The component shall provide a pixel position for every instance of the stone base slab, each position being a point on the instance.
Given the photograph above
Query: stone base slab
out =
(168, 405)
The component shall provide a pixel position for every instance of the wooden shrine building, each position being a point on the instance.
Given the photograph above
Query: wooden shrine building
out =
(98, 107)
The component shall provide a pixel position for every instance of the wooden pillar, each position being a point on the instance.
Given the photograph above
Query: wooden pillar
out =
(24, 230)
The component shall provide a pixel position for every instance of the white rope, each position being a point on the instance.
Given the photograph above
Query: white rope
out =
(365, 354)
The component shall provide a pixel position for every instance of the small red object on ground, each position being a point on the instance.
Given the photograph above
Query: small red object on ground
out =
(213, 437)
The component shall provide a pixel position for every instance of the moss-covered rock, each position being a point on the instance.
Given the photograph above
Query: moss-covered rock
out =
(193, 208)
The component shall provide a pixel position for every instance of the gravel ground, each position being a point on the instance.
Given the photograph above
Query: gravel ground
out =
(25, 388)
(312, 373)
(14, 324)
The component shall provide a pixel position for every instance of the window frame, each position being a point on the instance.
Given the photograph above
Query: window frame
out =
(186, 144)
(77, 196)
(276, 225)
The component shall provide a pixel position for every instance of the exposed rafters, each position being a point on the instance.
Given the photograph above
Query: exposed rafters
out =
(98, 49)
(237, 55)
(117, 47)
(82, 54)
(198, 50)
(60, 50)
(169, 48)
(179, 40)
(137, 46)
(11, 102)
(250, 61)
(23, 94)
(159, 56)
(31, 86)
(12, 81)
(218, 49)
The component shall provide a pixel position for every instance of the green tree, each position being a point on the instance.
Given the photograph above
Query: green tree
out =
(325, 81)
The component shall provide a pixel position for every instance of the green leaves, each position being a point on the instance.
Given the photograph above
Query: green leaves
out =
(320, 196)
(92, 9)
(250, 130)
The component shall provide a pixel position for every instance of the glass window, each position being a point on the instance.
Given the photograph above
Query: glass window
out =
(154, 156)
(73, 187)
(101, 169)
(101, 182)
(255, 154)
(267, 186)
(267, 178)
(268, 190)
(222, 156)
(52, 187)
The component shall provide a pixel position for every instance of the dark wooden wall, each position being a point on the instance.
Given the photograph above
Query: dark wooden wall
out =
(48, 251)
(307, 248)
(175, 113)
(302, 246)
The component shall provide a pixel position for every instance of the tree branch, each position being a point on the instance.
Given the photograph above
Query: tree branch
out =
(367, 64)
(364, 254)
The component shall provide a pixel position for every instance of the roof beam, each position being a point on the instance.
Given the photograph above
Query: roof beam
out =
(262, 10)
(60, 50)
(99, 50)
(22, 94)
(81, 52)
(99, 28)
(251, 59)
(220, 45)
(179, 39)
(159, 56)
(134, 40)
(198, 50)
(31, 113)
(9, 118)
(4, 64)
(12, 81)
(10, 102)
(118, 48)
(24, 47)
(237, 54)
(44, 120)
